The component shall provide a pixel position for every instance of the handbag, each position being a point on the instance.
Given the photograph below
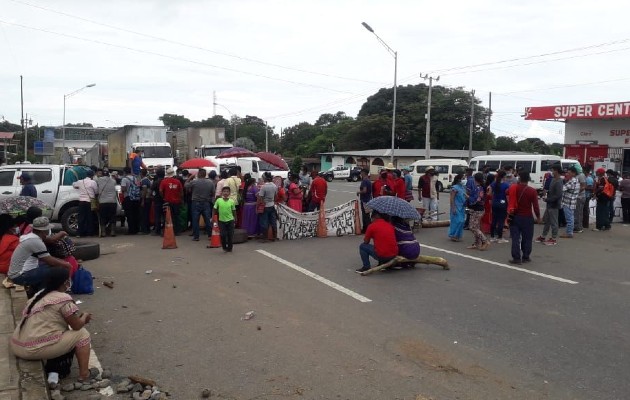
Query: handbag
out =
(62, 248)
(82, 282)
(94, 204)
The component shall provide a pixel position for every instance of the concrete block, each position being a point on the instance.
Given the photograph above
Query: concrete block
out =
(9, 376)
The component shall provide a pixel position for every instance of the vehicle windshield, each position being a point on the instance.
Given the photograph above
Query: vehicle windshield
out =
(155, 151)
(265, 166)
(212, 151)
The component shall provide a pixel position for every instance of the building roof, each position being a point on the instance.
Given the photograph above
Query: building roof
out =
(6, 135)
(419, 153)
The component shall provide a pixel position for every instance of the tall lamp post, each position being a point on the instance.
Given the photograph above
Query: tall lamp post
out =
(63, 127)
(427, 136)
(395, 55)
(231, 117)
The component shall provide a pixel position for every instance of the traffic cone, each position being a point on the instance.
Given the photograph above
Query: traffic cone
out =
(357, 218)
(215, 239)
(169, 234)
(322, 231)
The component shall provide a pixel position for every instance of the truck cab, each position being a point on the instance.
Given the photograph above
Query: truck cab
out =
(155, 154)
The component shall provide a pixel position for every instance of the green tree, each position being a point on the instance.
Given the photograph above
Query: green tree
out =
(175, 122)
(506, 143)
(296, 164)
(245, 143)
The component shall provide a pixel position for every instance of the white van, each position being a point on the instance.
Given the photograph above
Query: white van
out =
(256, 167)
(446, 168)
(568, 163)
(536, 164)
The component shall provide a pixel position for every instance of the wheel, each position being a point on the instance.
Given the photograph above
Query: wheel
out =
(240, 236)
(354, 178)
(440, 187)
(70, 221)
(329, 178)
(87, 251)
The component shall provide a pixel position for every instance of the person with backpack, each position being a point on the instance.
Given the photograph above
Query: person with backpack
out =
(130, 187)
(522, 206)
(604, 192)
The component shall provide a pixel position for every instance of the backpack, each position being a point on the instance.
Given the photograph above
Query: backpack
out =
(134, 189)
(82, 282)
(609, 189)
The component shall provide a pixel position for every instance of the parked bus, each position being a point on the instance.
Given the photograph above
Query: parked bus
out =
(536, 164)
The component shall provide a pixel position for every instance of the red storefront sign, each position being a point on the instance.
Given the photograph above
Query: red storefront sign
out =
(586, 154)
(580, 111)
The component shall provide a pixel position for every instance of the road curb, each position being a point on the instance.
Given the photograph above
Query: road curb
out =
(26, 379)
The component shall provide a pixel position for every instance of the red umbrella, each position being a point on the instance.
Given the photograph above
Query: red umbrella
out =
(273, 159)
(236, 152)
(196, 163)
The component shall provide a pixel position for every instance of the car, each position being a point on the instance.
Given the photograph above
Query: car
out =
(48, 179)
(350, 173)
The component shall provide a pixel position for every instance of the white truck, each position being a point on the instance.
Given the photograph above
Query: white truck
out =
(150, 140)
(54, 187)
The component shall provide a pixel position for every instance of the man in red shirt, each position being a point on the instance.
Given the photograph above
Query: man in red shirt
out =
(522, 199)
(401, 187)
(318, 191)
(385, 246)
(383, 186)
(172, 192)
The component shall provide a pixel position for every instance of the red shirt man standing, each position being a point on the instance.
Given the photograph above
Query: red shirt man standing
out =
(318, 191)
(172, 192)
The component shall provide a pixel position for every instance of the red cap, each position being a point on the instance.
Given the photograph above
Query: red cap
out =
(600, 171)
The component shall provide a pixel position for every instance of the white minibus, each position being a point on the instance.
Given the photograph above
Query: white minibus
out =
(536, 164)
(446, 168)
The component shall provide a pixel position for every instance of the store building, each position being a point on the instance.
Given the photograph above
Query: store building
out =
(595, 134)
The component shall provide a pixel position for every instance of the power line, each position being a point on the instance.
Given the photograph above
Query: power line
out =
(173, 58)
(532, 56)
(566, 86)
(162, 39)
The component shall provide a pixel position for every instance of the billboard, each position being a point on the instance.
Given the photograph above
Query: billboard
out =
(580, 111)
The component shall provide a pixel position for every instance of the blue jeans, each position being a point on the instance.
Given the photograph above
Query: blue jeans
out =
(201, 208)
(267, 218)
(366, 250)
(522, 233)
(568, 216)
(33, 278)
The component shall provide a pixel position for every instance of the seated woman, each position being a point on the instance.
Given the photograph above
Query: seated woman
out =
(408, 245)
(43, 332)
(8, 242)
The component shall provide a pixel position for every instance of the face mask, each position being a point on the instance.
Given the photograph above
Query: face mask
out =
(16, 230)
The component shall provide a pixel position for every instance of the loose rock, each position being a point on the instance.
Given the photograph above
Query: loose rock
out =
(68, 387)
(146, 395)
(86, 387)
(137, 388)
(103, 384)
(94, 396)
(77, 385)
(122, 387)
(106, 374)
(94, 372)
(56, 395)
(205, 393)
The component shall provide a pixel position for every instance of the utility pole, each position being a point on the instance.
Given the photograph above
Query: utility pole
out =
(472, 124)
(22, 106)
(489, 113)
(266, 138)
(214, 103)
(427, 135)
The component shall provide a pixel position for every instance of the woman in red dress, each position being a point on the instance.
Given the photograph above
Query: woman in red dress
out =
(486, 220)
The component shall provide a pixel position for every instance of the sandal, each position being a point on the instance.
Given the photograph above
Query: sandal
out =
(484, 246)
(472, 247)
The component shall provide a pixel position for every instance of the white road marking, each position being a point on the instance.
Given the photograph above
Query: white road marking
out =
(527, 271)
(319, 278)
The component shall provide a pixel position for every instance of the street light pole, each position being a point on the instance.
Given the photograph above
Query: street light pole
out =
(395, 55)
(63, 126)
(231, 117)
(427, 135)
(472, 124)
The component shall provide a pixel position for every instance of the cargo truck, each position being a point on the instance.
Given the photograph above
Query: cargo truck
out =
(198, 142)
(150, 140)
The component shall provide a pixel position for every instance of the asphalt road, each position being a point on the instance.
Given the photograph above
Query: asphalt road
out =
(556, 329)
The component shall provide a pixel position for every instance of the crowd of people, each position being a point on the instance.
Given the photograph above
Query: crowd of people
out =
(487, 203)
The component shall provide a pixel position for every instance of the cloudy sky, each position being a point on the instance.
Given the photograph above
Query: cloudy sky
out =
(290, 61)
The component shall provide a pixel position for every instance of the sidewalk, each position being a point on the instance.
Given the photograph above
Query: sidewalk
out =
(19, 379)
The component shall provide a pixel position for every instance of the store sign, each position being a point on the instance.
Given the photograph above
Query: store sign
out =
(580, 111)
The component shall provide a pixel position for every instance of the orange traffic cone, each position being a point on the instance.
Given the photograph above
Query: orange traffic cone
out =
(357, 218)
(215, 239)
(169, 234)
(322, 231)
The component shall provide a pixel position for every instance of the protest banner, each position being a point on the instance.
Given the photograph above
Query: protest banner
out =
(293, 225)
